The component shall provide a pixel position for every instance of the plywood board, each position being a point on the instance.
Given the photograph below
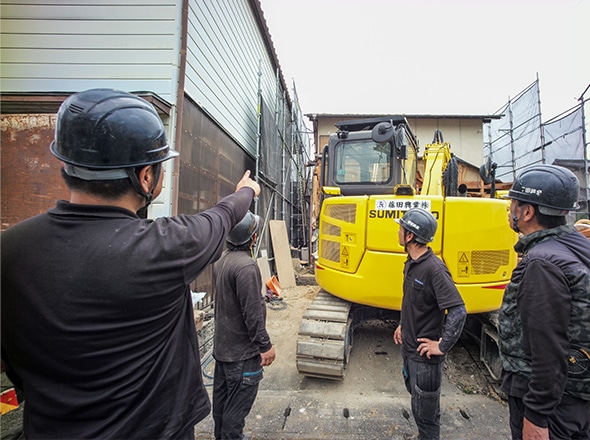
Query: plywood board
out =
(282, 253)
(264, 271)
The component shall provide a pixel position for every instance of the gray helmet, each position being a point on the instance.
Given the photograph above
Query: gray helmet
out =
(553, 188)
(421, 223)
(101, 132)
(244, 230)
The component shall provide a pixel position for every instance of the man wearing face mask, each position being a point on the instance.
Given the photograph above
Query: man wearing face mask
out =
(544, 321)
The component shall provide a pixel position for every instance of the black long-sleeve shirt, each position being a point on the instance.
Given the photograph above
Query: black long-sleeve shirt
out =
(240, 312)
(428, 291)
(545, 313)
(97, 318)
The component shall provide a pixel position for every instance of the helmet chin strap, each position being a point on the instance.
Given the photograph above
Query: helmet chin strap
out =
(157, 167)
(405, 241)
(514, 225)
(515, 220)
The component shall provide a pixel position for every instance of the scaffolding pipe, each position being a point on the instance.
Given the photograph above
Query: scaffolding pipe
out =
(266, 220)
(285, 144)
(584, 140)
(541, 128)
(512, 152)
(258, 130)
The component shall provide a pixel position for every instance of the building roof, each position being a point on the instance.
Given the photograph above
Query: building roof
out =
(269, 43)
(315, 116)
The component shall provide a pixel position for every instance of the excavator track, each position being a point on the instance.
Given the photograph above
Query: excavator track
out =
(325, 338)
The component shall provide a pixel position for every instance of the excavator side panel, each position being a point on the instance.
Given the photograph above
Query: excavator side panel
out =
(365, 262)
(342, 233)
(478, 249)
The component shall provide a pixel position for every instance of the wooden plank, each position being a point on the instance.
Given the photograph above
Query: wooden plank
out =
(264, 271)
(282, 253)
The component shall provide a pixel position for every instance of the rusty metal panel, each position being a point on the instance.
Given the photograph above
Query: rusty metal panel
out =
(31, 180)
(211, 163)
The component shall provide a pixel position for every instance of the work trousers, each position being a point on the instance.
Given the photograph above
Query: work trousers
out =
(423, 381)
(235, 386)
(570, 420)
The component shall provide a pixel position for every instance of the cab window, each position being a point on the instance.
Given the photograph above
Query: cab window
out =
(363, 162)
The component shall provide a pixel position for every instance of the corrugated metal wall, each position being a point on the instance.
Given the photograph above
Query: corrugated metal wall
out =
(225, 53)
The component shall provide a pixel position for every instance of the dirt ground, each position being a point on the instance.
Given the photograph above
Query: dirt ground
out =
(462, 367)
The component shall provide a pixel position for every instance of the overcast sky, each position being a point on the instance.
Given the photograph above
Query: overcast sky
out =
(431, 57)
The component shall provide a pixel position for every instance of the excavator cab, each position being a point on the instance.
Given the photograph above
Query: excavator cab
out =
(362, 165)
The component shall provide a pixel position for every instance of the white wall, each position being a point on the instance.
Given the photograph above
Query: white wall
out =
(69, 45)
(464, 134)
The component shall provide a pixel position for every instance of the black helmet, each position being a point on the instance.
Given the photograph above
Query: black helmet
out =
(421, 223)
(244, 230)
(553, 188)
(105, 129)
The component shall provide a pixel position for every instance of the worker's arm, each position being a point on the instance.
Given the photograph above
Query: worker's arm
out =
(453, 327)
(267, 357)
(246, 181)
(397, 335)
(248, 288)
(530, 431)
(452, 331)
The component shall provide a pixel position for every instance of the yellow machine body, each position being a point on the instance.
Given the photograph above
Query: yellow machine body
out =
(359, 256)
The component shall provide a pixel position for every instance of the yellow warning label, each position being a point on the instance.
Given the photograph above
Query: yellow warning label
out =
(462, 264)
(344, 257)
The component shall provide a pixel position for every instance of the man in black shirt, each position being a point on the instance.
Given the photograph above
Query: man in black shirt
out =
(425, 337)
(242, 346)
(544, 321)
(97, 316)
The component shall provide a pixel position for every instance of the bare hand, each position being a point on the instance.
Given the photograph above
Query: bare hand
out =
(245, 181)
(268, 357)
(429, 347)
(397, 335)
(530, 431)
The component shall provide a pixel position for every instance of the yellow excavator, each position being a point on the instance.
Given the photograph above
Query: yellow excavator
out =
(369, 178)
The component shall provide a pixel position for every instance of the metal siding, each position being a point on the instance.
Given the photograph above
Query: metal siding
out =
(63, 45)
(223, 52)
